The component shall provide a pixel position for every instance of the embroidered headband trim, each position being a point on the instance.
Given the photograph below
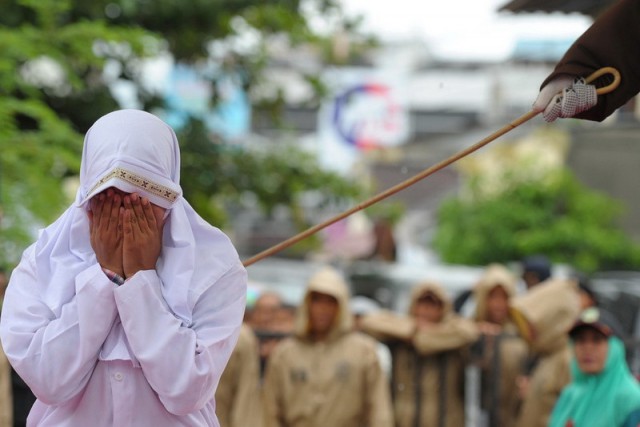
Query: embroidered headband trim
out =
(140, 182)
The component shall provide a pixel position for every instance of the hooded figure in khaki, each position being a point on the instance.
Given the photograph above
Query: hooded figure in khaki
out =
(500, 370)
(238, 402)
(326, 375)
(544, 316)
(428, 350)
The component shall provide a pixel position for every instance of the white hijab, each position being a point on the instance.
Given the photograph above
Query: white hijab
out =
(136, 152)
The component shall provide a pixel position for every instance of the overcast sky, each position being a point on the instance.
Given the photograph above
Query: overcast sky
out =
(462, 29)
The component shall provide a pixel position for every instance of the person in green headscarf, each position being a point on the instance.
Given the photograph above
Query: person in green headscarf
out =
(602, 392)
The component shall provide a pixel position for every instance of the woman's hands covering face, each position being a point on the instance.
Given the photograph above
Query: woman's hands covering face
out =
(125, 231)
(142, 242)
(105, 228)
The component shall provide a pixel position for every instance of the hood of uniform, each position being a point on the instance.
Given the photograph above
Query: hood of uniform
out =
(606, 398)
(436, 290)
(546, 313)
(326, 281)
(495, 275)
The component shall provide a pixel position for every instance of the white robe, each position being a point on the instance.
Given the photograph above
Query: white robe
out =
(149, 352)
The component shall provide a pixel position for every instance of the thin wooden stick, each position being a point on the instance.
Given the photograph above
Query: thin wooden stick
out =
(425, 173)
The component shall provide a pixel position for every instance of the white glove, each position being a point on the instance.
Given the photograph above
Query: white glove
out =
(565, 96)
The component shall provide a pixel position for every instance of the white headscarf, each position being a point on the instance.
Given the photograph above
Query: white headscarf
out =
(136, 152)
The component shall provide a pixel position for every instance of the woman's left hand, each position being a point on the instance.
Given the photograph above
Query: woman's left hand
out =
(142, 235)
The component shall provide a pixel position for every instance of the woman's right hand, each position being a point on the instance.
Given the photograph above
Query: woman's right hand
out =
(105, 227)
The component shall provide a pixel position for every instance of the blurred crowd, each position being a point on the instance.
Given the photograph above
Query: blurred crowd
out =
(515, 349)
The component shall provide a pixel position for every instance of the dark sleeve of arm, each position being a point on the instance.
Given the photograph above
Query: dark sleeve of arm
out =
(612, 41)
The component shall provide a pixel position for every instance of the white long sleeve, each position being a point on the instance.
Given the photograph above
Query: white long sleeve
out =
(182, 364)
(55, 353)
(166, 378)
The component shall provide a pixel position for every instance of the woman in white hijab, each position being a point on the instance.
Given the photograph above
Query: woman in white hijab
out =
(125, 310)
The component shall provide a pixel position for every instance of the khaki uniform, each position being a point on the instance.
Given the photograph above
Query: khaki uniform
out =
(427, 366)
(512, 351)
(6, 397)
(549, 377)
(336, 382)
(544, 316)
(238, 401)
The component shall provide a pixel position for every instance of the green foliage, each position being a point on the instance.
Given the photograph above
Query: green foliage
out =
(47, 59)
(386, 210)
(53, 86)
(215, 176)
(558, 217)
(49, 63)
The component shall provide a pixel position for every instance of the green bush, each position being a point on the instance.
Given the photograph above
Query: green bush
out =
(556, 216)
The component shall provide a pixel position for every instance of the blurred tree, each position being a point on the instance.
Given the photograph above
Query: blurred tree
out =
(555, 216)
(51, 81)
(219, 175)
(60, 58)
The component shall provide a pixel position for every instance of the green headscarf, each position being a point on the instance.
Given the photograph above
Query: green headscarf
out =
(604, 399)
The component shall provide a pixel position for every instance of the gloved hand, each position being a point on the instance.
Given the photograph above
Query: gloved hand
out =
(565, 96)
